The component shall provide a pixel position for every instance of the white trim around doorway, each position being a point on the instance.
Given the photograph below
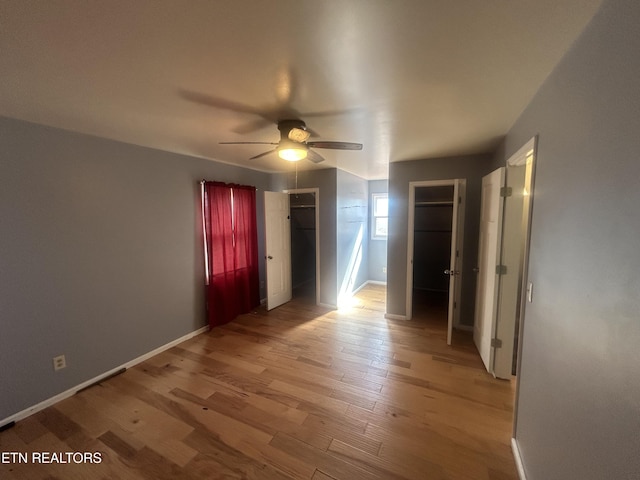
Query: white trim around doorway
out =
(316, 192)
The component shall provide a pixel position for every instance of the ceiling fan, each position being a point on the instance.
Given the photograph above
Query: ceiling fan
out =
(293, 144)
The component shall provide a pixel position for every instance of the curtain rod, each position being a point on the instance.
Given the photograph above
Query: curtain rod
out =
(203, 181)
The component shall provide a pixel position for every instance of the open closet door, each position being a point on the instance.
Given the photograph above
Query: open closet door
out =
(278, 248)
(491, 216)
(455, 263)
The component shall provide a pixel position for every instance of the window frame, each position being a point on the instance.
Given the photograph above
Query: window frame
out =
(375, 216)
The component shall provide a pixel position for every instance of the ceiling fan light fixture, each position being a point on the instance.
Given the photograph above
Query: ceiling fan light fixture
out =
(292, 154)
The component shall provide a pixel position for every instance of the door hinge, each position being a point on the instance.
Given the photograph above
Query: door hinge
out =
(496, 343)
(501, 269)
(506, 191)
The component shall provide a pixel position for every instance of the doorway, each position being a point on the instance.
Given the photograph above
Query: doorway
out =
(305, 255)
(435, 250)
(432, 230)
(502, 291)
(514, 291)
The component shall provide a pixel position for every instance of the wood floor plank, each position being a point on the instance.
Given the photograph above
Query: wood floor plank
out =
(397, 468)
(282, 461)
(333, 465)
(319, 475)
(310, 396)
(236, 461)
(159, 430)
(234, 361)
(298, 392)
(30, 429)
(346, 431)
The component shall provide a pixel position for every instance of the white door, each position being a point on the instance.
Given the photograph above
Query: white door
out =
(278, 248)
(491, 216)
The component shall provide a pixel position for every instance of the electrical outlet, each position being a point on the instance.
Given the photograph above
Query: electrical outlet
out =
(59, 362)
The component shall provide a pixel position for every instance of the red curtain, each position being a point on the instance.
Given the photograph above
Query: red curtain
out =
(231, 249)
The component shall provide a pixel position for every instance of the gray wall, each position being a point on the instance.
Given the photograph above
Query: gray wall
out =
(578, 413)
(377, 248)
(352, 232)
(325, 180)
(100, 255)
(473, 168)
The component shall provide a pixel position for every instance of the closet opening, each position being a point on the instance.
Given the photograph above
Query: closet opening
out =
(434, 252)
(433, 218)
(304, 245)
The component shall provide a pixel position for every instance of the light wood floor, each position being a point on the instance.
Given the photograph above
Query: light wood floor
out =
(299, 392)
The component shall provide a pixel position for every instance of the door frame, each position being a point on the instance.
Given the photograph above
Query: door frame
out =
(528, 154)
(316, 192)
(457, 236)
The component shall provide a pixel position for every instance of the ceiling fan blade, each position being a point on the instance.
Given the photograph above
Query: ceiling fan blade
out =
(254, 126)
(267, 116)
(221, 103)
(314, 157)
(263, 154)
(247, 143)
(336, 145)
(334, 113)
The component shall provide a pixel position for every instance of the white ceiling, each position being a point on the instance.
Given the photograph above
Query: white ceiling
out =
(407, 78)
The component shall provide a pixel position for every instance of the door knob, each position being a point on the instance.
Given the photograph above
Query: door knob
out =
(270, 257)
(451, 272)
(476, 270)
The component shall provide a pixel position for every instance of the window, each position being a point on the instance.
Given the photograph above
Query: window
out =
(380, 218)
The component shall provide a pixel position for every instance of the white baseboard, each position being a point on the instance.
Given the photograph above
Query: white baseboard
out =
(359, 288)
(392, 316)
(518, 458)
(368, 282)
(72, 391)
